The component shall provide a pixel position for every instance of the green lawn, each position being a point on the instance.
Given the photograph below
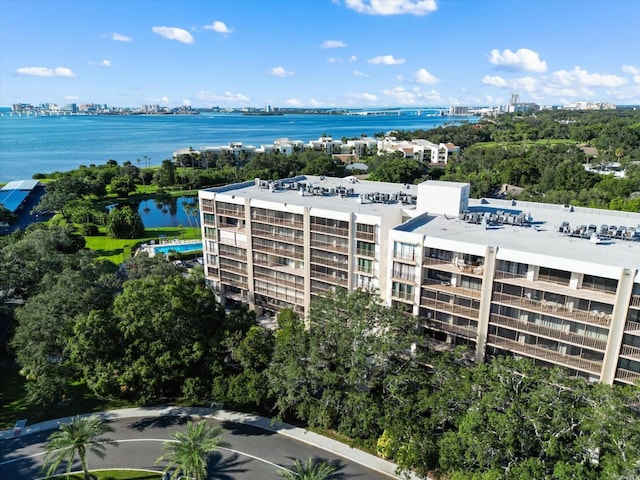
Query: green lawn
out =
(118, 250)
(14, 407)
(114, 475)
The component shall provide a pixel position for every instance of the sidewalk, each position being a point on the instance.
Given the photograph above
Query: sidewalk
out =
(291, 431)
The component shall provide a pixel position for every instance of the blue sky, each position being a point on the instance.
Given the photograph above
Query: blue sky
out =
(319, 53)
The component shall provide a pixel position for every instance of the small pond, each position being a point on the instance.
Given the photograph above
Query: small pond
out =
(170, 211)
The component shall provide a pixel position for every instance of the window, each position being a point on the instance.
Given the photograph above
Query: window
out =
(599, 283)
(512, 267)
(365, 248)
(406, 251)
(365, 265)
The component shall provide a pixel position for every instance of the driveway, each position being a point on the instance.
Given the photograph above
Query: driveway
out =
(253, 453)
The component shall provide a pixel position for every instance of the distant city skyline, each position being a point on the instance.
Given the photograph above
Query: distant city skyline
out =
(318, 53)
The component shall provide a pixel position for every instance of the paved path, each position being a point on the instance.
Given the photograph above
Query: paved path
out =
(257, 445)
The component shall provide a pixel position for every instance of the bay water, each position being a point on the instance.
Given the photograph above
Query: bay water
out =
(46, 144)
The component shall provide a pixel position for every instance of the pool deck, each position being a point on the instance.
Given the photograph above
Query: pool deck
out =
(150, 247)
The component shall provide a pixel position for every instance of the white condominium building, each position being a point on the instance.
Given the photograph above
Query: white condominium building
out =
(560, 285)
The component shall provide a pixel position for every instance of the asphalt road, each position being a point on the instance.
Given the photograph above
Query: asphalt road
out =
(252, 453)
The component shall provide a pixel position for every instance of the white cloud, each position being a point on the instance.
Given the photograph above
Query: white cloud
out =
(392, 7)
(101, 63)
(227, 97)
(364, 96)
(528, 84)
(522, 59)
(71, 97)
(219, 27)
(333, 44)
(401, 96)
(158, 99)
(186, 102)
(423, 76)
(579, 76)
(386, 60)
(353, 58)
(332, 60)
(631, 69)
(315, 103)
(117, 37)
(358, 73)
(280, 72)
(174, 33)
(45, 72)
(494, 81)
(294, 102)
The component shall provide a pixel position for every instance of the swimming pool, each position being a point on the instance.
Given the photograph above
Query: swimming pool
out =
(178, 247)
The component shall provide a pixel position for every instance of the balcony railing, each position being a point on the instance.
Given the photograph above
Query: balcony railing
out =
(277, 236)
(337, 231)
(364, 269)
(545, 354)
(635, 301)
(232, 242)
(630, 351)
(407, 296)
(231, 267)
(446, 287)
(468, 332)
(231, 226)
(298, 284)
(448, 307)
(627, 376)
(271, 220)
(330, 278)
(554, 309)
(232, 280)
(400, 275)
(405, 256)
(632, 326)
(365, 252)
(499, 274)
(224, 252)
(552, 333)
(366, 236)
(437, 261)
(334, 247)
(342, 265)
(280, 251)
(229, 212)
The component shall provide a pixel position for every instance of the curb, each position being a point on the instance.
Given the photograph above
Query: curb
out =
(296, 433)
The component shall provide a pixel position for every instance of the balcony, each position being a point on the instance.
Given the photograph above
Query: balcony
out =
(233, 279)
(545, 354)
(343, 281)
(552, 333)
(276, 236)
(632, 327)
(233, 267)
(236, 227)
(364, 269)
(272, 220)
(630, 351)
(468, 332)
(446, 287)
(366, 236)
(406, 257)
(232, 242)
(406, 276)
(451, 308)
(365, 252)
(331, 262)
(279, 250)
(437, 261)
(230, 212)
(554, 309)
(235, 254)
(333, 247)
(275, 280)
(627, 376)
(635, 301)
(404, 296)
(337, 231)
(558, 289)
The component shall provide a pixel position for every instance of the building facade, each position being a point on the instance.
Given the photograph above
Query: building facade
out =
(560, 285)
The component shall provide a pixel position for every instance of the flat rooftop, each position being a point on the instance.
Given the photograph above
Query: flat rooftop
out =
(360, 196)
(541, 234)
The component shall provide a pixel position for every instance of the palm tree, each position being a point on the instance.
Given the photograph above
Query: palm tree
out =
(81, 435)
(312, 470)
(188, 451)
